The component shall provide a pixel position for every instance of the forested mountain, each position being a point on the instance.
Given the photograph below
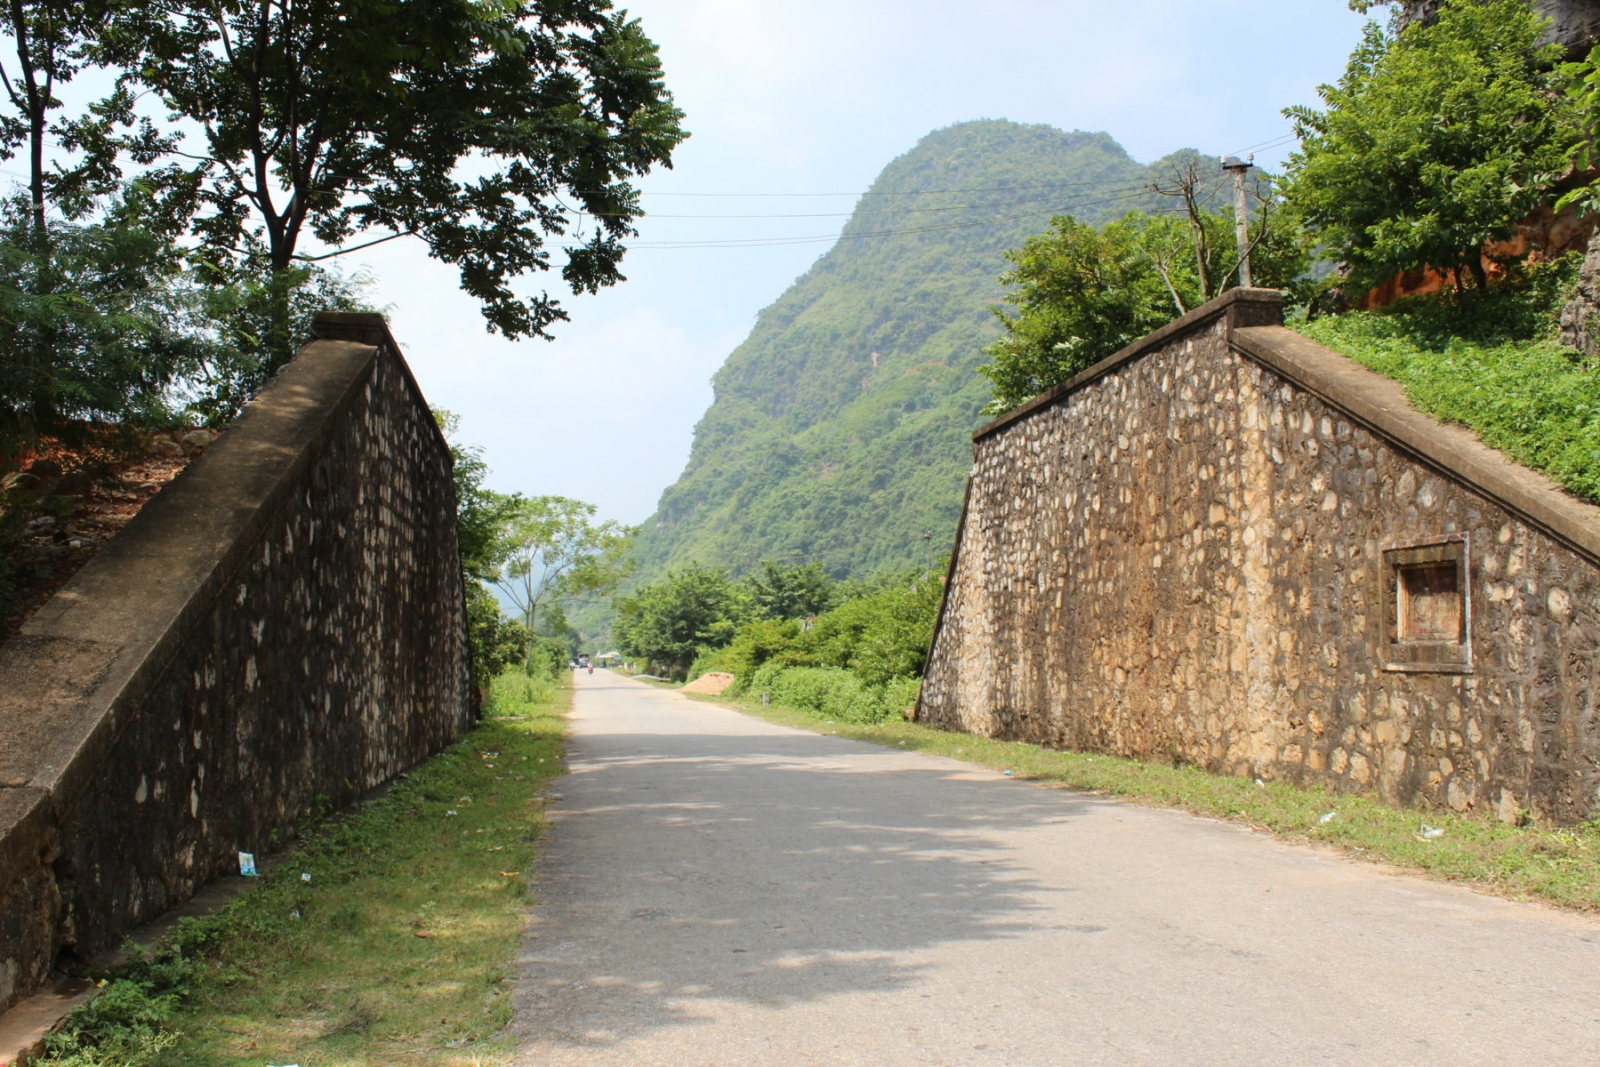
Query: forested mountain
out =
(840, 429)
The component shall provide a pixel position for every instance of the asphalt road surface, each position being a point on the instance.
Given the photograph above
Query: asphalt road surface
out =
(720, 891)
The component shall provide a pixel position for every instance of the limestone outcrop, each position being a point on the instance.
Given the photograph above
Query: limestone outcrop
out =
(1573, 23)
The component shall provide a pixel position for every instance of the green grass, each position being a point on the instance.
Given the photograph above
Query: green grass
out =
(1492, 368)
(1560, 866)
(399, 948)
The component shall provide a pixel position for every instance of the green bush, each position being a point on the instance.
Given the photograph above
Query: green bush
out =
(834, 692)
(753, 645)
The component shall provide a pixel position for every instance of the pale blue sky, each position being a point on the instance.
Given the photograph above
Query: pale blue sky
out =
(814, 97)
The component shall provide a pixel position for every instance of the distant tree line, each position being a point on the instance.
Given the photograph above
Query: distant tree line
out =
(852, 648)
(540, 552)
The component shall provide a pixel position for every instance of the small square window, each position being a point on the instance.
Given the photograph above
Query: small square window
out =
(1428, 607)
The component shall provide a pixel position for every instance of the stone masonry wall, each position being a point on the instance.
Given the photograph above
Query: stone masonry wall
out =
(281, 630)
(1185, 555)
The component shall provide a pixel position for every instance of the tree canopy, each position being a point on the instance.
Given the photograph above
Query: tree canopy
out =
(1437, 140)
(481, 128)
(1082, 292)
(503, 134)
(672, 621)
(547, 548)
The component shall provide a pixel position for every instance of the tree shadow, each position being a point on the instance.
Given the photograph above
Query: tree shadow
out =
(767, 867)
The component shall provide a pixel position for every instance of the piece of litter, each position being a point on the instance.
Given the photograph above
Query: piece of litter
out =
(1429, 833)
(425, 933)
(508, 874)
(1260, 784)
(1008, 774)
(452, 811)
(247, 864)
(1326, 818)
(305, 876)
(465, 800)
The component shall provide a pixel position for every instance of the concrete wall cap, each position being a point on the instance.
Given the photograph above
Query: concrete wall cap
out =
(1381, 406)
(1238, 307)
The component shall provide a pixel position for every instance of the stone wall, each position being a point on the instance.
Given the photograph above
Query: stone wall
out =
(1231, 547)
(279, 631)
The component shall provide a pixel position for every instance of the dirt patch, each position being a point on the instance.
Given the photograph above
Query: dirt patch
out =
(60, 503)
(712, 683)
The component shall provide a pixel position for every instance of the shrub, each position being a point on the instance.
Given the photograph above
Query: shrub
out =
(834, 692)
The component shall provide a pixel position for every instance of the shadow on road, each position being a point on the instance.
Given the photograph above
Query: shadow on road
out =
(691, 864)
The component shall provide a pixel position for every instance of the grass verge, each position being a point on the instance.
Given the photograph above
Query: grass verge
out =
(1559, 866)
(1531, 398)
(386, 936)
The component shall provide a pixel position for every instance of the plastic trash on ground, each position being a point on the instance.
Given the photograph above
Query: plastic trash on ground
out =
(247, 864)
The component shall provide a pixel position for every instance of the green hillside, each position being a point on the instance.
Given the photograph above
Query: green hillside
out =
(840, 431)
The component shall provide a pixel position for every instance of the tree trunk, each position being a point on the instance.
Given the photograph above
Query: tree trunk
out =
(1480, 277)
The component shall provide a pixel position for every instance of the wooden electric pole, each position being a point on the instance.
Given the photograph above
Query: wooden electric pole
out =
(1241, 214)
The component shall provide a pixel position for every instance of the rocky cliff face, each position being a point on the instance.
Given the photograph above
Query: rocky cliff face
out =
(1574, 23)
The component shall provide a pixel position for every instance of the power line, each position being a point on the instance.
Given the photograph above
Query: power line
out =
(1265, 145)
(846, 214)
(911, 192)
(774, 242)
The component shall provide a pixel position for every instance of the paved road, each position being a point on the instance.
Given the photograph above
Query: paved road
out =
(721, 891)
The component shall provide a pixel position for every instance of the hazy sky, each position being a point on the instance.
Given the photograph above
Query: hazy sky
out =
(790, 99)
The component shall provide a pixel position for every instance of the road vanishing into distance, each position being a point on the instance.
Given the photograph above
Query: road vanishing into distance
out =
(719, 891)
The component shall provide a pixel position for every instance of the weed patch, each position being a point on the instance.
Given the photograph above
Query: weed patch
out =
(388, 932)
(1493, 368)
(1560, 866)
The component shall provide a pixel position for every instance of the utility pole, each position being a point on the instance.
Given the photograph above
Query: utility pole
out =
(1241, 213)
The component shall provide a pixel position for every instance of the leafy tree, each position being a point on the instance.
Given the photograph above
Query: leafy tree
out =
(672, 621)
(1437, 140)
(794, 591)
(240, 309)
(497, 643)
(472, 125)
(94, 324)
(51, 42)
(878, 636)
(91, 327)
(1082, 293)
(481, 513)
(550, 547)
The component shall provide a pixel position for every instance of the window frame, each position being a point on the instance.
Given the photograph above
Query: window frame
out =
(1425, 657)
